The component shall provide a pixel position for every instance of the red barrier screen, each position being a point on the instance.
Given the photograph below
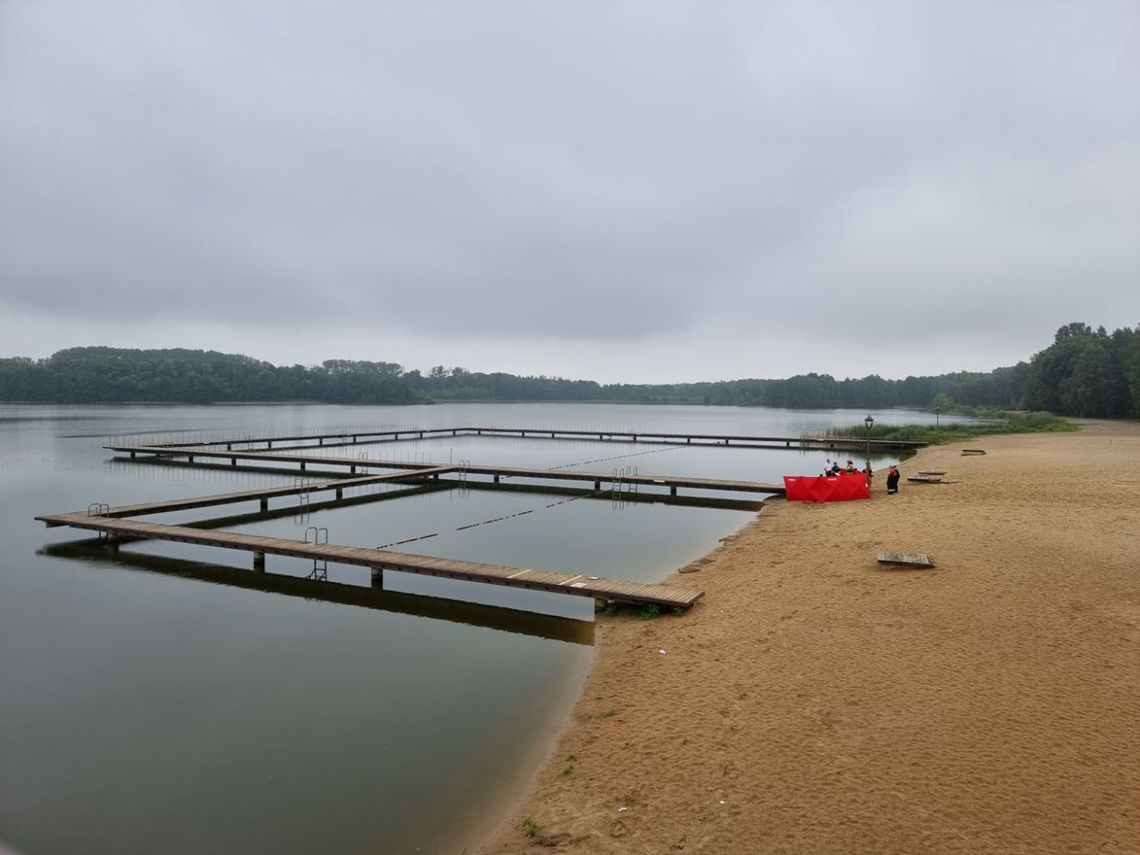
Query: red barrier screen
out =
(833, 488)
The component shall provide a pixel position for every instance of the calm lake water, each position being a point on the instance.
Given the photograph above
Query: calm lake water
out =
(151, 701)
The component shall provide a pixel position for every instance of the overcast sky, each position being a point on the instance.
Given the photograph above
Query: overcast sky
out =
(643, 191)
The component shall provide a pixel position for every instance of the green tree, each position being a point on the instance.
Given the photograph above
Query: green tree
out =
(1089, 389)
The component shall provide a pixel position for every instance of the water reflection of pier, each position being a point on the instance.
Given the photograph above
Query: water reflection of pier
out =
(419, 605)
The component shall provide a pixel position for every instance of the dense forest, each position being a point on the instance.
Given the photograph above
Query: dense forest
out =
(113, 375)
(1084, 372)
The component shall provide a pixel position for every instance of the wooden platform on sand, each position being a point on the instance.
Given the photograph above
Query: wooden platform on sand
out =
(906, 559)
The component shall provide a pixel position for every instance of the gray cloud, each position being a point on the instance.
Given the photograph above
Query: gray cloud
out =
(600, 178)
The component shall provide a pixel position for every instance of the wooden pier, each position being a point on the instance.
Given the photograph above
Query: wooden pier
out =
(670, 482)
(820, 443)
(264, 494)
(577, 584)
(117, 524)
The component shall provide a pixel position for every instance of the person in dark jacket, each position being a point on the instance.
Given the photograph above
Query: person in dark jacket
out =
(893, 479)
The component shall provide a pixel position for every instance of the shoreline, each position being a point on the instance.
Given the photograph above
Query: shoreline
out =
(816, 703)
(511, 795)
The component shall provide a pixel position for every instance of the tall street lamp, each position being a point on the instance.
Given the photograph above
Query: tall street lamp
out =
(870, 423)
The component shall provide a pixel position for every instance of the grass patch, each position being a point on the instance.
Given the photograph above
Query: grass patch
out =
(649, 611)
(529, 826)
(997, 422)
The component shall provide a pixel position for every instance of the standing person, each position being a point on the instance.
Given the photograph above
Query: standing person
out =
(868, 472)
(893, 479)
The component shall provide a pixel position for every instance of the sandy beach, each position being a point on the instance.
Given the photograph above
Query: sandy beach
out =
(816, 703)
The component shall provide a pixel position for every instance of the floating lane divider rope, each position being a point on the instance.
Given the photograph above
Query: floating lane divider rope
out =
(496, 519)
(484, 522)
(620, 456)
(408, 540)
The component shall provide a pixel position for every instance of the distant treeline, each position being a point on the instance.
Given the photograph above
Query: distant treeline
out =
(997, 388)
(1085, 372)
(83, 375)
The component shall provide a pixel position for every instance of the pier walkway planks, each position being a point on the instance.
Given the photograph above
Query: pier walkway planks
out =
(337, 486)
(379, 559)
(736, 440)
(673, 482)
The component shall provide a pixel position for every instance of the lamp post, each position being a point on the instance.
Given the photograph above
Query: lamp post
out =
(870, 423)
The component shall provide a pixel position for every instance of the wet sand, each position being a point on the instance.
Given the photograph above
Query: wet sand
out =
(815, 703)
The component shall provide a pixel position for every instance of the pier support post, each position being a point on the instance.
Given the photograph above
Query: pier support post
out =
(229, 446)
(351, 470)
(597, 485)
(378, 578)
(264, 505)
(496, 479)
(233, 461)
(259, 562)
(339, 493)
(673, 490)
(269, 443)
(190, 458)
(302, 465)
(132, 455)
